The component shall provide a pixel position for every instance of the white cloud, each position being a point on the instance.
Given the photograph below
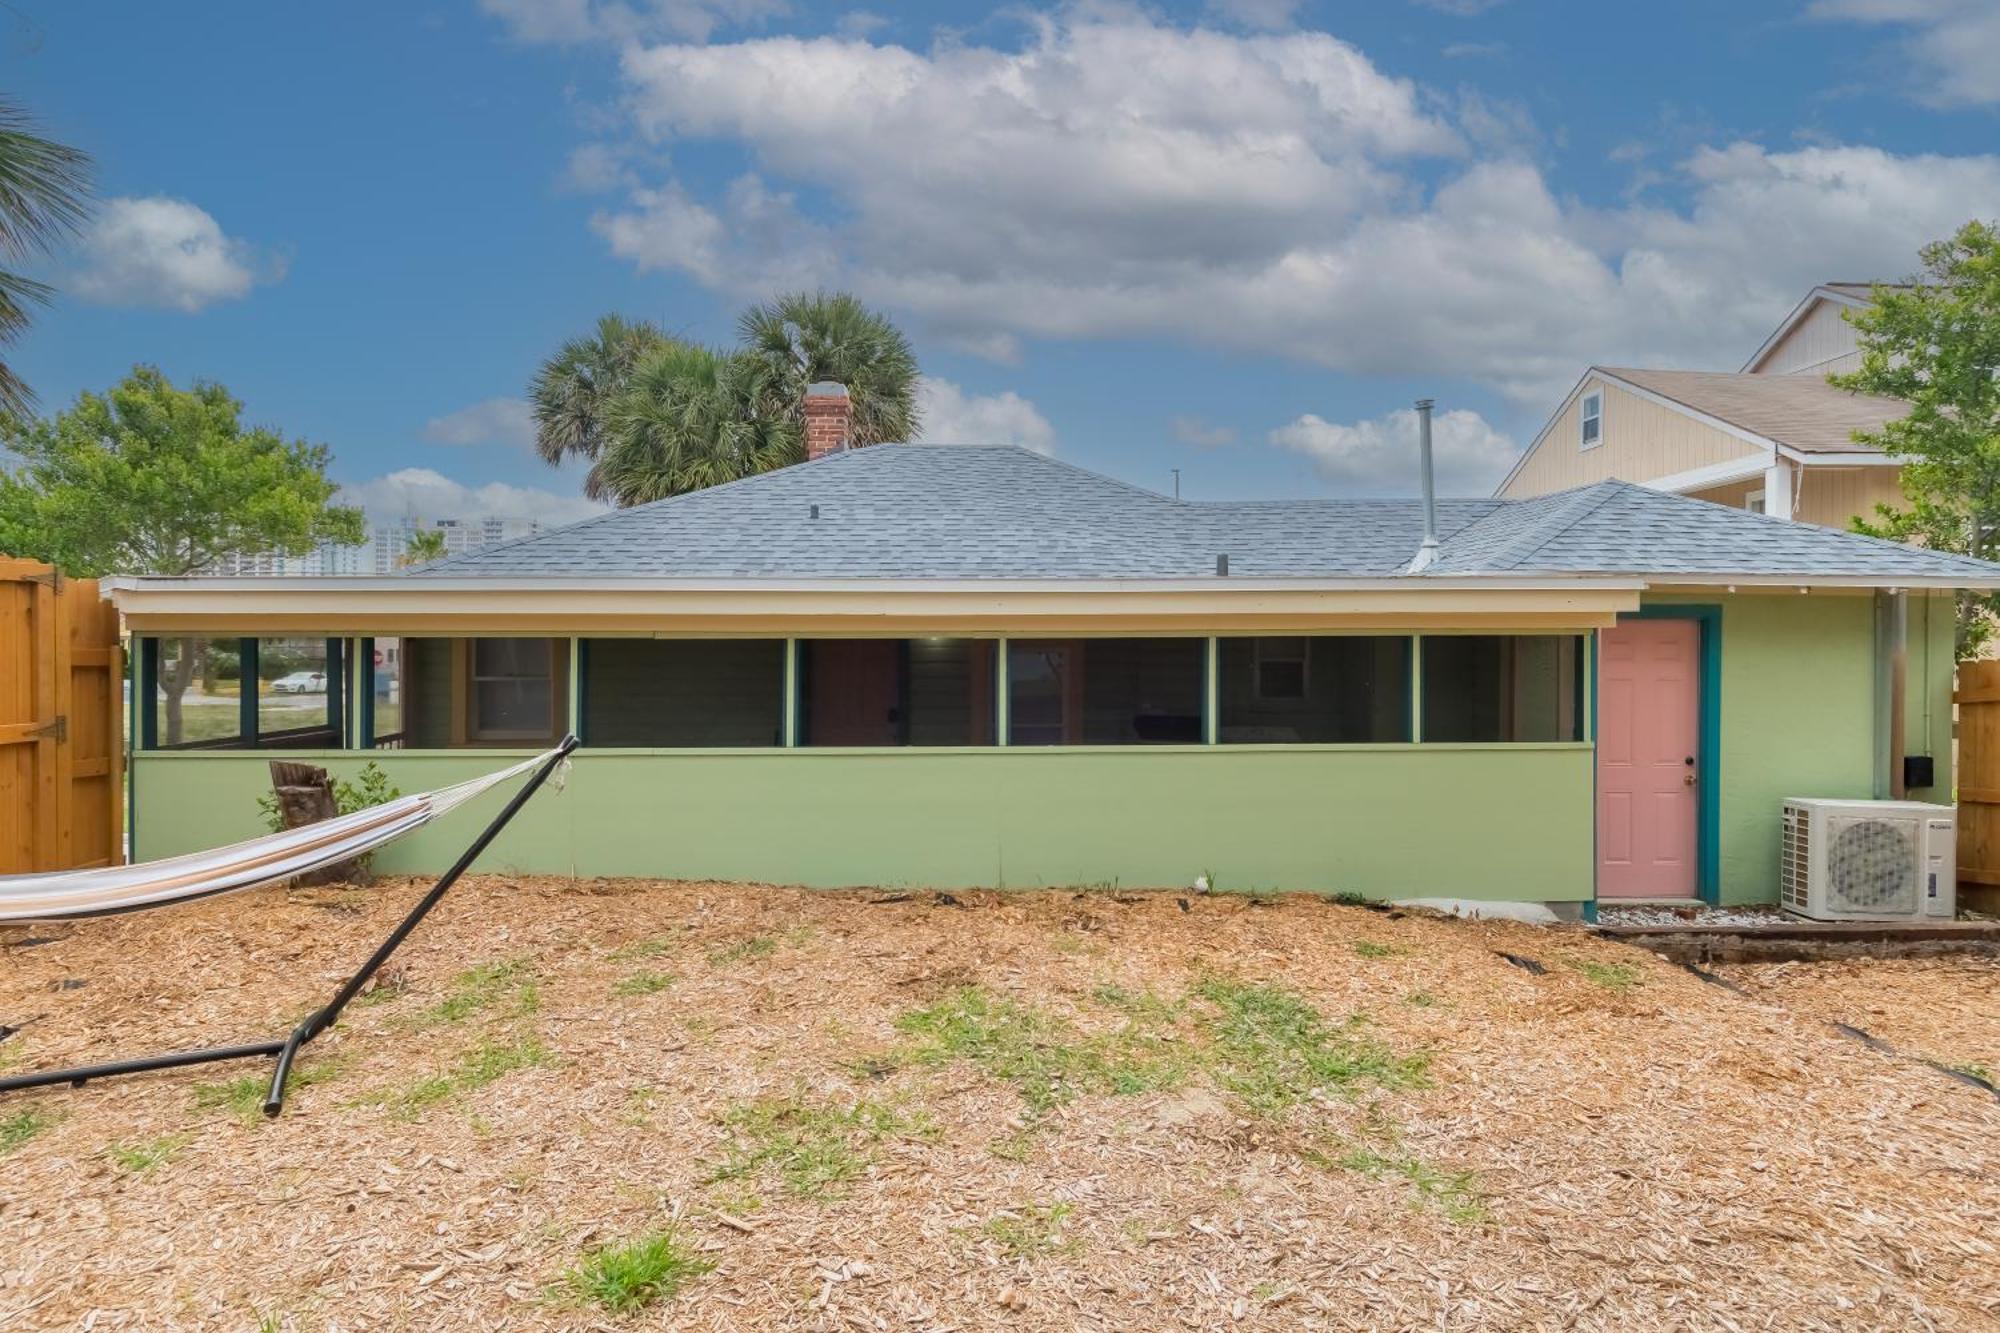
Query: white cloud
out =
(419, 492)
(952, 416)
(1117, 176)
(1200, 434)
(503, 421)
(1379, 457)
(165, 252)
(566, 22)
(1953, 45)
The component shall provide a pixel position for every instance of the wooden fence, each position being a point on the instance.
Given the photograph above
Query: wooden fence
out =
(1978, 699)
(62, 694)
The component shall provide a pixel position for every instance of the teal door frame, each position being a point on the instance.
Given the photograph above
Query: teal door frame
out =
(1708, 753)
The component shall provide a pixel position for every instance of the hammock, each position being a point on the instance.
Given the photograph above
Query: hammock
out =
(76, 894)
(245, 865)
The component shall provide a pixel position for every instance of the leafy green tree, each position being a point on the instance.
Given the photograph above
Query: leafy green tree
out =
(692, 417)
(1935, 344)
(573, 389)
(424, 545)
(43, 186)
(151, 479)
(804, 338)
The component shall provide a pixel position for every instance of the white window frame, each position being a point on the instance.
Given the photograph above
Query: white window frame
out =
(474, 727)
(1304, 658)
(1755, 503)
(1585, 417)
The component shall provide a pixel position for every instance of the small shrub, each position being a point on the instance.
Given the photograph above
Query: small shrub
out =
(16, 1130)
(371, 787)
(1349, 898)
(620, 1278)
(141, 1157)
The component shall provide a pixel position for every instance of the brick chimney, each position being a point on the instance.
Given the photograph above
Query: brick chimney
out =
(829, 417)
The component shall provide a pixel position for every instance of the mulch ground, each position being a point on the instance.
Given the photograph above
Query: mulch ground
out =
(1027, 1111)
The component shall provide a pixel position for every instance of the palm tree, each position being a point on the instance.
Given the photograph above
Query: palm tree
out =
(43, 188)
(423, 546)
(806, 337)
(691, 417)
(571, 391)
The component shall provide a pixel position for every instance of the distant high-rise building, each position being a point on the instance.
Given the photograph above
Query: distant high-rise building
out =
(382, 552)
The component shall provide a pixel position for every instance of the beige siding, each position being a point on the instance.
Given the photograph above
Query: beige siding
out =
(1642, 442)
(1820, 344)
(1828, 496)
(1834, 496)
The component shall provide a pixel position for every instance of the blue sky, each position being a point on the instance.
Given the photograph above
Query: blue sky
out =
(1234, 237)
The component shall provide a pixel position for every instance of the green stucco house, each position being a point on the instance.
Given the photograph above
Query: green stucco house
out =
(960, 666)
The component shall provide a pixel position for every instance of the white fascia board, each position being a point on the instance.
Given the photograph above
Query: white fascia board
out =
(1715, 474)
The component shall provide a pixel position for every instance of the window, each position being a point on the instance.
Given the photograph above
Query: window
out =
(382, 672)
(216, 693)
(933, 691)
(513, 690)
(298, 691)
(1281, 669)
(693, 693)
(1104, 692)
(1593, 420)
(1350, 689)
(1754, 502)
(1482, 688)
(198, 693)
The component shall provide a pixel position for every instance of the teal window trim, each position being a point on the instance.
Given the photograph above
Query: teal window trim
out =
(576, 695)
(364, 694)
(1708, 758)
(247, 689)
(1416, 689)
(146, 685)
(1211, 691)
(789, 727)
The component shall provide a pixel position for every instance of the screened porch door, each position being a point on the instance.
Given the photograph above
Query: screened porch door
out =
(1648, 728)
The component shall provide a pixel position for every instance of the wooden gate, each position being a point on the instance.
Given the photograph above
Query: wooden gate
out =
(62, 693)
(1978, 699)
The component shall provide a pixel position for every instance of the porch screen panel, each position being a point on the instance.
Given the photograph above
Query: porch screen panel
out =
(198, 702)
(1105, 691)
(1315, 690)
(693, 693)
(300, 688)
(1500, 688)
(246, 694)
(884, 692)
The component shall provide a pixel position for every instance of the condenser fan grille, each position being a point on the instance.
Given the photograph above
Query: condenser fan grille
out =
(1871, 866)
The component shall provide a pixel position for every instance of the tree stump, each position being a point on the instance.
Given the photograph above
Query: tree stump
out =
(305, 796)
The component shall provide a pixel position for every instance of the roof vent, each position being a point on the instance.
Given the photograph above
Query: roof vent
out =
(815, 511)
(1222, 565)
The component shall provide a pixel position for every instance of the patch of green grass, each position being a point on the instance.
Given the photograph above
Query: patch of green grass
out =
(244, 1097)
(1349, 898)
(639, 950)
(1611, 976)
(757, 946)
(507, 987)
(1370, 949)
(1143, 1005)
(632, 1275)
(1029, 1232)
(1274, 1050)
(1046, 1060)
(381, 993)
(142, 1157)
(644, 983)
(814, 1148)
(1421, 999)
(1973, 1068)
(17, 1129)
(1455, 1194)
(488, 1062)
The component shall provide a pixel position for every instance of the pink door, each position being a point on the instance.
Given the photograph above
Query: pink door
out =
(1648, 724)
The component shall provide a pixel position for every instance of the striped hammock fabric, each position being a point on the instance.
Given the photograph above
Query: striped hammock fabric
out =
(74, 894)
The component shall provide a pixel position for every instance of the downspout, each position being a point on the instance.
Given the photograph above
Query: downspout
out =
(1426, 553)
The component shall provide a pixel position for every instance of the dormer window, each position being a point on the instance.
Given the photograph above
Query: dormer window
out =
(1593, 421)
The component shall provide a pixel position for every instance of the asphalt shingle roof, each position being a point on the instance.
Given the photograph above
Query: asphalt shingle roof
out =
(1802, 412)
(908, 511)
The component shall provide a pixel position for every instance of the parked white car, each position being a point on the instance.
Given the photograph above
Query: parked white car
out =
(300, 682)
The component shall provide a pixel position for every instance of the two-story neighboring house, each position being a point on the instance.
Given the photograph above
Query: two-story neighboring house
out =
(1773, 437)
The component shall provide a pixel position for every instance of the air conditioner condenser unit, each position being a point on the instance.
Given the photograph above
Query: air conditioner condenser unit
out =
(1868, 860)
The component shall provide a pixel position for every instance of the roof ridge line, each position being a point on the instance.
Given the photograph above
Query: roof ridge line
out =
(1583, 501)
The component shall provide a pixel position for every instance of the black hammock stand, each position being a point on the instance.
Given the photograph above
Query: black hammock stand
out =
(286, 1048)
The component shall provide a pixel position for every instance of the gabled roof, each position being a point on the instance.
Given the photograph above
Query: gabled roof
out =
(1802, 413)
(1840, 293)
(962, 512)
